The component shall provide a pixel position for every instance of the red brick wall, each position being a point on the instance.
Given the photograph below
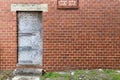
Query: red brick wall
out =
(84, 38)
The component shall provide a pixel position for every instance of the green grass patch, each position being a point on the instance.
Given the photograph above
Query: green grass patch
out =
(52, 75)
(97, 74)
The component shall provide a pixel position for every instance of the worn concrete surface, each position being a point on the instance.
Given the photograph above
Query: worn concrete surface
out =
(27, 71)
(29, 7)
(26, 78)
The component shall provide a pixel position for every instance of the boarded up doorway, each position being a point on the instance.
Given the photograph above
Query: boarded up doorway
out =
(30, 38)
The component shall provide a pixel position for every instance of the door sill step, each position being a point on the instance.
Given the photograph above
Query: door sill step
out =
(19, 77)
(28, 65)
(27, 71)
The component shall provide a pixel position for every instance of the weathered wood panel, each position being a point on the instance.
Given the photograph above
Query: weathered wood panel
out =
(30, 38)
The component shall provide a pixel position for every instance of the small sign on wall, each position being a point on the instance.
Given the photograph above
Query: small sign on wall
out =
(67, 3)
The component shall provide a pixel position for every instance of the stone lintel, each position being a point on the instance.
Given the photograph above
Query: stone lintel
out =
(29, 7)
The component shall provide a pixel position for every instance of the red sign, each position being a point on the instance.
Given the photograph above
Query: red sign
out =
(67, 3)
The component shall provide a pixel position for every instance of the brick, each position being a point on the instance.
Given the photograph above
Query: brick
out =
(82, 38)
